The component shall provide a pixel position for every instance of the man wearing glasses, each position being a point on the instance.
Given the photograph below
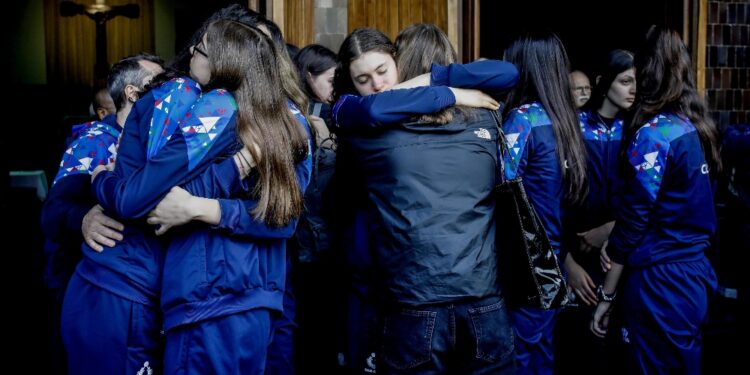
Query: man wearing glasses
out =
(580, 87)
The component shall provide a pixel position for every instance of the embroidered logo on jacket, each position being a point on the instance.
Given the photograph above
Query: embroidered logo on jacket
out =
(483, 133)
(146, 369)
(371, 368)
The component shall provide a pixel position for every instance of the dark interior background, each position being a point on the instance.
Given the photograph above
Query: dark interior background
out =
(588, 29)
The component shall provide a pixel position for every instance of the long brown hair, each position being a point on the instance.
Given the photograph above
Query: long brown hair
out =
(417, 48)
(245, 61)
(289, 76)
(666, 83)
(543, 65)
(290, 81)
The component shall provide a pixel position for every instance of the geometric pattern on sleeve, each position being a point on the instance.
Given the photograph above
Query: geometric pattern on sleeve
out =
(205, 122)
(172, 100)
(649, 152)
(95, 145)
(594, 129)
(517, 129)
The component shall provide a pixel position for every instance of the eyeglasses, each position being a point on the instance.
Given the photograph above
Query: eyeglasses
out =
(582, 89)
(197, 49)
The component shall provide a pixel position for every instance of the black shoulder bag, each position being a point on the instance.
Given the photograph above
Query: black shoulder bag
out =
(527, 265)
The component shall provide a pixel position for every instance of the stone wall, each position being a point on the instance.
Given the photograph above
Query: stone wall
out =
(728, 61)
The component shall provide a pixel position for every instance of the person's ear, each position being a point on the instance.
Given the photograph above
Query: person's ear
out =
(598, 78)
(101, 112)
(131, 93)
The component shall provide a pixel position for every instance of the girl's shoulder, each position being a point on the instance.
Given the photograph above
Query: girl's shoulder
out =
(177, 86)
(216, 101)
(531, 114)
(665, 127)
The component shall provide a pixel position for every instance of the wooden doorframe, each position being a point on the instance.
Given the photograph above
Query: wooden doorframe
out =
(454, 25)
(468, 41)
(462, 23)
(254, 5)
(695, 35)
(276, 12)
(699, 47)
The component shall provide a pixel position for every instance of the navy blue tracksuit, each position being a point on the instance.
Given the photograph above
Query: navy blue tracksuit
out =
(664, 225)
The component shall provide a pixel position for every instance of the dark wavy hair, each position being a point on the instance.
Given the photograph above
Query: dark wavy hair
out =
(357, 43)
(543, 66)
(617, 61)
(665, 83)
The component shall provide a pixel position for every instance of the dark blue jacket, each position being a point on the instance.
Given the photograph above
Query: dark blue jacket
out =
(603, 143)
(427, 256)
(356, 113)
(70, 197)
(132, 268)
(531, 141)
(236, 266)
(666, 212)
(602, 154)
(429, 188)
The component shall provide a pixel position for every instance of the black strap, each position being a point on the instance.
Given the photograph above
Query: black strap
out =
(502, 145)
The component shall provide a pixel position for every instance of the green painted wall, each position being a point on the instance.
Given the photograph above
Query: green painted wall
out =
(164, 28)
(27, 44)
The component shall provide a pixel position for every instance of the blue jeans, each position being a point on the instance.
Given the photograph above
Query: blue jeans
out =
(468, 337)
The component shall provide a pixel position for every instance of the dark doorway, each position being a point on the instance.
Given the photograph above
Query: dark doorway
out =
(189, 16)
(588, 29)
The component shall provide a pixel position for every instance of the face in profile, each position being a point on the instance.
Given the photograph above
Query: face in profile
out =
(580, 87)
(322, 85)
(373, 72)
(200, 68)
(622, 91)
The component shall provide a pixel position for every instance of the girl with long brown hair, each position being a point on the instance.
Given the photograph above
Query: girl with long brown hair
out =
(543, 135)
(666, 220)
(219, 290)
